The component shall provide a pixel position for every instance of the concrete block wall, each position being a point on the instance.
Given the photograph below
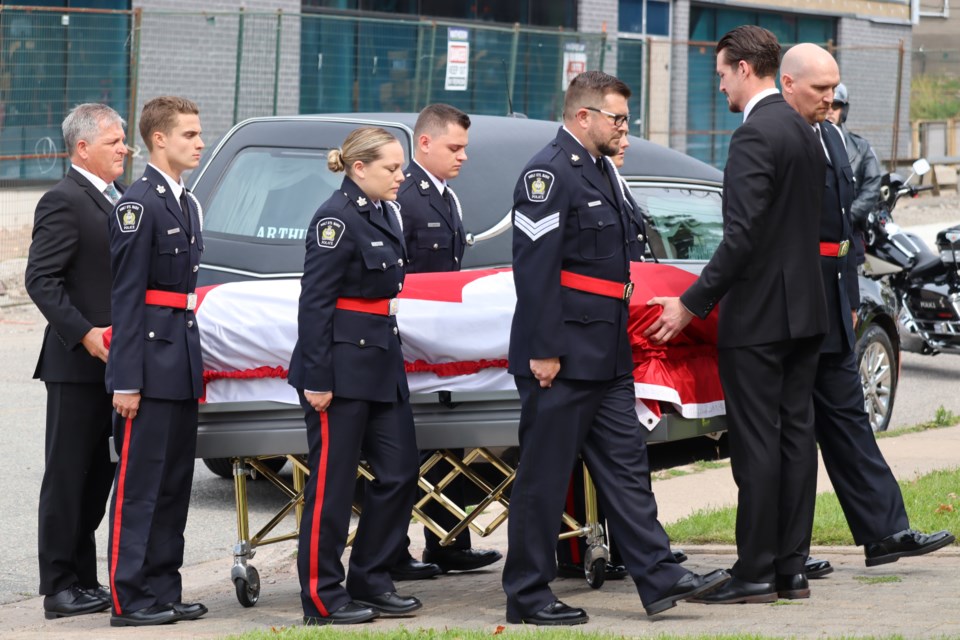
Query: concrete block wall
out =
(680, 25)
(193, 53)
(592, 16)
(869, 60)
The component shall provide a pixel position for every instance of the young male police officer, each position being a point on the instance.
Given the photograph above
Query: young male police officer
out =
(571, 358)
(68, 277)
(155, 370)
(433, 232)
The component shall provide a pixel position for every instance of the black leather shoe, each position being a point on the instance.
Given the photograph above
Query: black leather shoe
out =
(905, 543)
(679, 555)
(72, 601)
(817, 568)
(738, 591)
(188, 610)
(793, 587)
(554, 614)
(99, 591)
(410, 569)
(687, 587)
(350, 613)
(460, 559)
(575, 571)
(157, 614)
(391, 603)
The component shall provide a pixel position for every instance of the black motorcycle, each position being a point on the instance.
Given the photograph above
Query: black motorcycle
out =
(926, 283)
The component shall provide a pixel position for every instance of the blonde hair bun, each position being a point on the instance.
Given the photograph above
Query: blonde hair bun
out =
(335, 161)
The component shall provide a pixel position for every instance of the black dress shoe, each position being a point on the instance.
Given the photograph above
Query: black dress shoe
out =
(391, 603)
(575, 571)
(817, 568)
(72, 601)
(460, 559)
(410, 569)
(157, 614)
(905, 543)
(679, 555)
(99, 591)
(554, 614)
(188, 610)
(687, 587)
(793, 587)
(350, 613)
(738, 591)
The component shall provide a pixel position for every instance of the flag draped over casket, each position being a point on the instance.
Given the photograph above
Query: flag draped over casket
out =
(455, 329)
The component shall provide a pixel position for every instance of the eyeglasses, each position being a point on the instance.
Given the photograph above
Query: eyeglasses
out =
(618, 119)
(837, 106)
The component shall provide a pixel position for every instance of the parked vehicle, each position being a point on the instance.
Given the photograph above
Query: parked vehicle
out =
(926, 282)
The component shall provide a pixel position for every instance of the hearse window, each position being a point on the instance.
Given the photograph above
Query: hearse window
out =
(270, 194)
(682, 223)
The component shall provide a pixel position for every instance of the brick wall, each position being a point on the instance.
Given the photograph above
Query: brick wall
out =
(593, 16)
(678, 74)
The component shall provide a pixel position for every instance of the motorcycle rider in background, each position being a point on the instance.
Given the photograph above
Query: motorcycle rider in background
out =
(865, 165)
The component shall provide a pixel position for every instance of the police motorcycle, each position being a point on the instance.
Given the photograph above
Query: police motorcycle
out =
(926, 283)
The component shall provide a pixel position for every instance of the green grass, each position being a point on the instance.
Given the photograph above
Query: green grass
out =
(932, 501)
(934, 98)
(361, 633)
(877, 579)
(942, 418)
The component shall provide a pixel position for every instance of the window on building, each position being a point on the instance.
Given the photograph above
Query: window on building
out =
(548, 13)
(645, 17)
(709, 121)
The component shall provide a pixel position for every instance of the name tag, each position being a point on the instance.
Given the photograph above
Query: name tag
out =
(431, 225)
(595, 203)
(171, 232)
(378, 243)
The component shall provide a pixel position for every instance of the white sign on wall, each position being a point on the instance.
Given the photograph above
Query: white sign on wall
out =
(458, 59)
(574, 62)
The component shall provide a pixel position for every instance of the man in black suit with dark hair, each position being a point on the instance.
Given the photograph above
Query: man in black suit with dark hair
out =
(68, 277)
(767, 271)
(866, 488)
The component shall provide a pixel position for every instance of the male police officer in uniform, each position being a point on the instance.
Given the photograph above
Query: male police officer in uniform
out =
(433, 233)
(155, 370)
(571, 358)
(865, 486)
(68, 276)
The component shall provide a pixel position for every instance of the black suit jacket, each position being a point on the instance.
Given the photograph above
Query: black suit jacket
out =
(433, 234)
(767, 267)
(68, 276)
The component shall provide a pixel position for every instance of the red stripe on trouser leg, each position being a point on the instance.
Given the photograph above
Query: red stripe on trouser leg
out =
(317, 508)
(118, 513)
(572, 510)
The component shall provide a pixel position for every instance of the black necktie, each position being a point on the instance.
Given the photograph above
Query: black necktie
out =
(185, 207)
(602, 167)
(449, 200)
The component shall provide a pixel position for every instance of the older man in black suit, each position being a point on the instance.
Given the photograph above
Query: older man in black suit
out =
(68, 277)
(767, 271)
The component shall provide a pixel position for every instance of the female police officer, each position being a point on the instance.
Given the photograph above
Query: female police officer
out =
(348, 370)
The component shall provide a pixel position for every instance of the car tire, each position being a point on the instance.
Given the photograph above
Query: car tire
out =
(876, 359)
(223, 467)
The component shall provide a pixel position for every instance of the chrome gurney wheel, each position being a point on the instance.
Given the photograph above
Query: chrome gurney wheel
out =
(248, 588)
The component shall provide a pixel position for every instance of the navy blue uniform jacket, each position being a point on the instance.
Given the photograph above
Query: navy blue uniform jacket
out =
(353, 251)
(433, 234)
(569, 216)
(152, 246)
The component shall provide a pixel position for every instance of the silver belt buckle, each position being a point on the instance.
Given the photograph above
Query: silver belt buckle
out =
(844, 248)
(627, 291)
(191, 302)
(394, 306)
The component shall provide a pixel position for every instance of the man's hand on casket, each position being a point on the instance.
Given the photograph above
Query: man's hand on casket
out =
(672, 320)
(127, 404)
(319, 400)
(545, 370)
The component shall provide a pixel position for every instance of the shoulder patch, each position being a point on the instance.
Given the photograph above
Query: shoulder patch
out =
(129, 215)
(329, 232)
(538, 184)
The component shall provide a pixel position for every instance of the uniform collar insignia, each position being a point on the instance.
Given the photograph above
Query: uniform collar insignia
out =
(361, 201)
(574, 157)
(161, 189)
(424, 185)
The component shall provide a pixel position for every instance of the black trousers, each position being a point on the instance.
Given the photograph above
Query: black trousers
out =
(384, 433)
(151, 497)
(598, 420)
(572, 551)
(865, 486)
(76, 484)
(768, 390)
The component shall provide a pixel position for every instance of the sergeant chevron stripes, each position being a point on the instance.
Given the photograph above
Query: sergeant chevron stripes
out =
(536, 230)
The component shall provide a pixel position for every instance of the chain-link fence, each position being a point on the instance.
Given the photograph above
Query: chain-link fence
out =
(244, 64)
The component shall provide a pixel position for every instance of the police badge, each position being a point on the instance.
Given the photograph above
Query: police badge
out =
(329, 232)
(129, 215)
(538, 183)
